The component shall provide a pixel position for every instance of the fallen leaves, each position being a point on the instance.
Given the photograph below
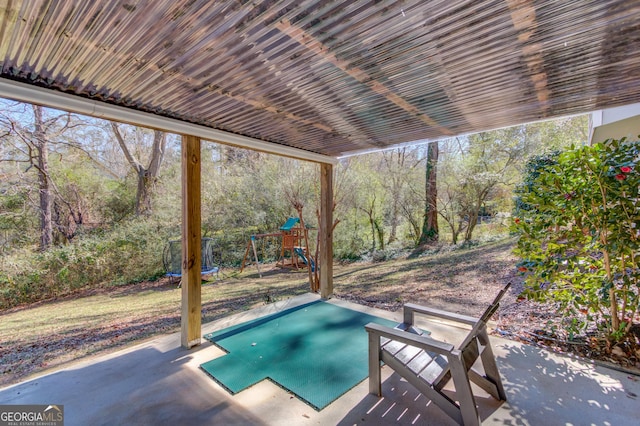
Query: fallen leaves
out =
(463, 281)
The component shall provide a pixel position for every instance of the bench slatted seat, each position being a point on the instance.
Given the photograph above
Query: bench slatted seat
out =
(429, 364)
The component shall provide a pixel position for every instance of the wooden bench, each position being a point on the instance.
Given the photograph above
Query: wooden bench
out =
(429, 364)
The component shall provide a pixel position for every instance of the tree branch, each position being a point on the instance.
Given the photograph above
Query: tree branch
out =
(137, 166)
(157, 152)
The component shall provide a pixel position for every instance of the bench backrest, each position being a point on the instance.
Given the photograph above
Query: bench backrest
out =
(482, 321)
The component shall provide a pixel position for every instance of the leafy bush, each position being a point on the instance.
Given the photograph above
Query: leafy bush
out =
(16, 221)
(578, 219)
(119, 203)
(388, 253)
(128, 253)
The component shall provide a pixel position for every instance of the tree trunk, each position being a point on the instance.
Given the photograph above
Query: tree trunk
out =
(146, 175)
(42, 152)
(473, 221)
(380, 232)
(313, 284)
(394, 219)
(475, 213)
(373, 233)
(430, 222)
(143, 193)
(455, 231)
(613, 300)
(413, 222)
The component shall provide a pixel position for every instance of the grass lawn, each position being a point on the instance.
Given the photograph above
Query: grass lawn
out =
(50, 334)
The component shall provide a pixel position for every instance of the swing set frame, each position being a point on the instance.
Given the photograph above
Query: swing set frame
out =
(294, 253)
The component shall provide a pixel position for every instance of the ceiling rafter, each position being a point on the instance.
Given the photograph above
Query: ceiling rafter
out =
(88, 49)
(316, 47)
(326, 77)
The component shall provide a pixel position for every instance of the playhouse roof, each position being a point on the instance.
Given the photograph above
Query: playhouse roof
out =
(290, 223)
(323, 79)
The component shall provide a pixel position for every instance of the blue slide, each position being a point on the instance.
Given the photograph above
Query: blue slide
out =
(302, 256)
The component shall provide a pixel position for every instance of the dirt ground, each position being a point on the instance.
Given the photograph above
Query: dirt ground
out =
(466, 281)
(450, 278)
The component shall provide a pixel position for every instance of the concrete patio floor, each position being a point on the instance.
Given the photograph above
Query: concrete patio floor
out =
(160, 383)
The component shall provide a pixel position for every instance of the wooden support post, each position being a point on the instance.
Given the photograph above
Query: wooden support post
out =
(326, 230)
(191, 317)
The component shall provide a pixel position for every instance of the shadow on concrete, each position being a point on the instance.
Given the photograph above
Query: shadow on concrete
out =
(542, 388)
(159, 382)
(547, 388)
(145, 387)
(402, 404)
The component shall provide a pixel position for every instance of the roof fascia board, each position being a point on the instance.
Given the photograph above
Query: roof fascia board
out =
(47, 97)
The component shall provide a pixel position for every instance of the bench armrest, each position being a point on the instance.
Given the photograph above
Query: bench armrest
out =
(423, 342)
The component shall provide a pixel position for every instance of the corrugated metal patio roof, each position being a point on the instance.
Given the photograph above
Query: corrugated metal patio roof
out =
(331, 77)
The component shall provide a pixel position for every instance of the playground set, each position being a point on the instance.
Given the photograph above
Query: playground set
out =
(293, 253)
(294, 250)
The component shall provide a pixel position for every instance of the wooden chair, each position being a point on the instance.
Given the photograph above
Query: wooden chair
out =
(429, 364)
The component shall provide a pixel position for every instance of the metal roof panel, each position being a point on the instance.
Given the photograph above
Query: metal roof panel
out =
(332, 77)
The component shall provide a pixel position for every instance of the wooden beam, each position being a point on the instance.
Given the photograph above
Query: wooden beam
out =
(326, 231)
(38, 95)
(316, 47)
(191, 317)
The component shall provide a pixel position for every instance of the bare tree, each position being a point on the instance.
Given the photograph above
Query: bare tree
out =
(31, 144)
(148, 175)
(41, 145)
(295, 195)
(399, 165)
(377, 232)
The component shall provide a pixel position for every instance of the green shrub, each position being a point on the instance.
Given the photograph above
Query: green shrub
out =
(131, 252)
(578, 221)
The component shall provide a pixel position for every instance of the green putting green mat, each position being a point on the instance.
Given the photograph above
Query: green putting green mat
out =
(318, 351)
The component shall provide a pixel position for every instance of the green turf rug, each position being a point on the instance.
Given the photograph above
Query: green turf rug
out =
(318, 351)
